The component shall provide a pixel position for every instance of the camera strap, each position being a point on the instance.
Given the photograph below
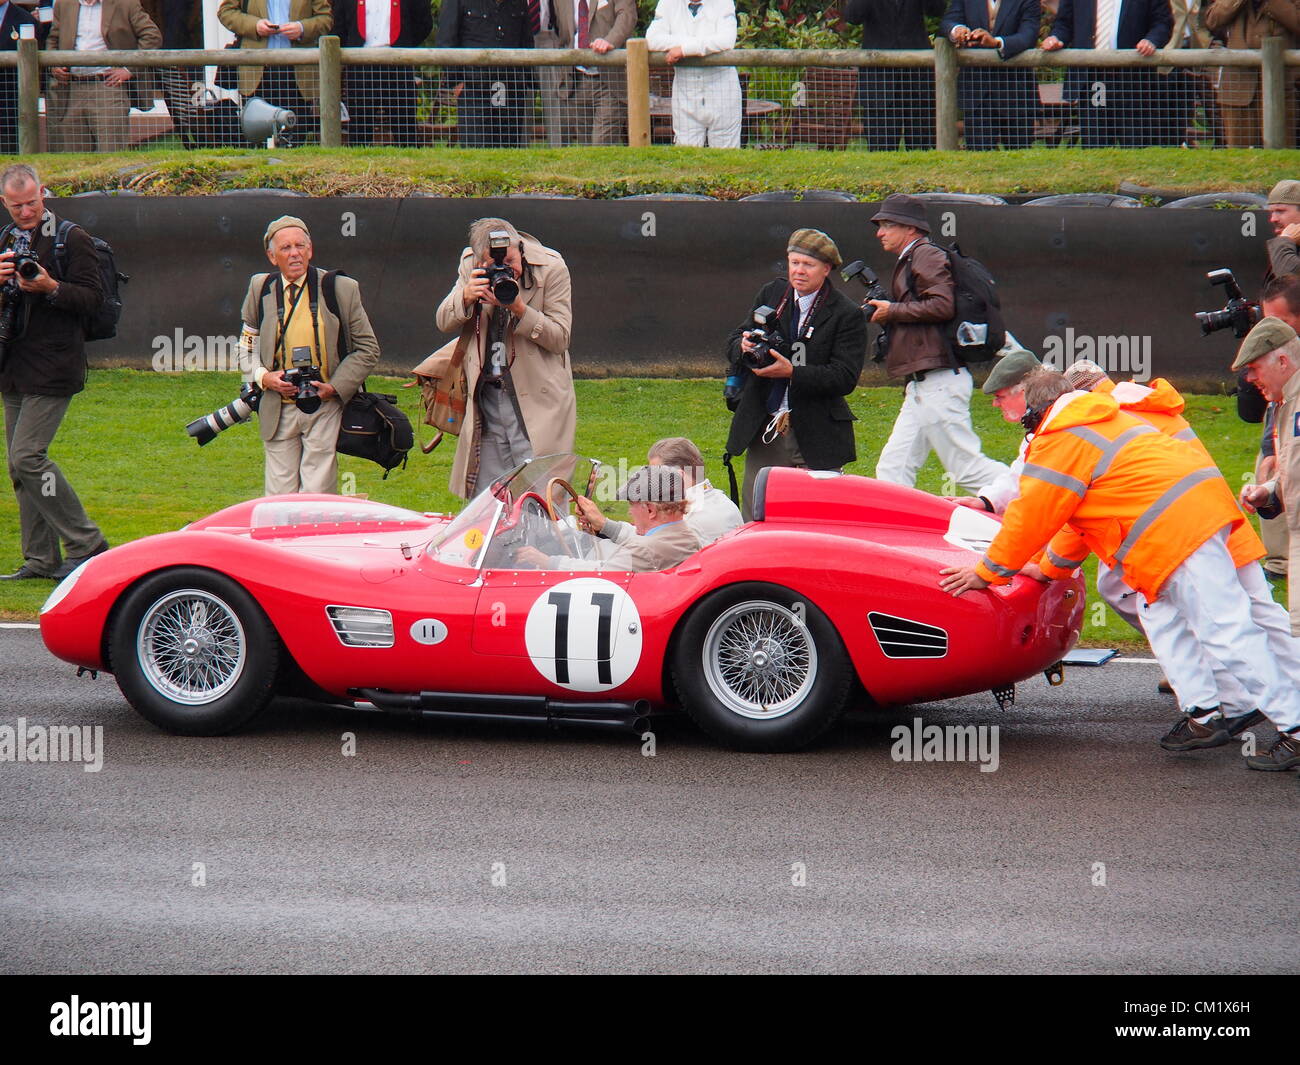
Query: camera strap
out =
(282, 318)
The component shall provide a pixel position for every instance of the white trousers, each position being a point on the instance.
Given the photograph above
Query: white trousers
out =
(935, 416)
(1208, 607)
(707, 106)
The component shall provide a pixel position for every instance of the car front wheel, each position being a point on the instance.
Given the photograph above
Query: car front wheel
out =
(761, 668)
(193, 652)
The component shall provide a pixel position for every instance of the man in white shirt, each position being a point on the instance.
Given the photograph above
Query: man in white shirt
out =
(707, 105)
(371, 88)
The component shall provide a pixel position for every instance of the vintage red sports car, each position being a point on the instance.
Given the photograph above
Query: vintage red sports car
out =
(762, 637)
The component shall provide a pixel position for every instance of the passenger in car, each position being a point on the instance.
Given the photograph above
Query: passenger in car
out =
(656, 497)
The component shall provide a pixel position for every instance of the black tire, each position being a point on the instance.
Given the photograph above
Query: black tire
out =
(747, 644)
(193, 652)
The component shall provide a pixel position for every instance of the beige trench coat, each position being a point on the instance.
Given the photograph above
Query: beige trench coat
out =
(541, 373)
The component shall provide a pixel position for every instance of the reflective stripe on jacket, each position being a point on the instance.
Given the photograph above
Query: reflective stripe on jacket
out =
(1131, 494)
(1161, 405)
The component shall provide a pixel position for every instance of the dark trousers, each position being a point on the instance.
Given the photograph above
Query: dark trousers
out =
(896, 105)
(1121, 107)
(373, 89)
(280, 89)
(998, 106)
(491, 109)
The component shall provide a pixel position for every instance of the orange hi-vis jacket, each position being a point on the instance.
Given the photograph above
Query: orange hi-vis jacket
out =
(1093, 473)
(1160, 404)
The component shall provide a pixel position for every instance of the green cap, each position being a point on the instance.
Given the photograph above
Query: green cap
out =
(1268, 335)
(1011, 369)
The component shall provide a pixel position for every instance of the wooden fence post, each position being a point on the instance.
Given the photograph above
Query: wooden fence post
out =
(29, 91)
(945, 95)
(331, 92)
(1275, 91)
(638, 93)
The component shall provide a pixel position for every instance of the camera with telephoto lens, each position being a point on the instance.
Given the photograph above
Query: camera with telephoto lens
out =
(11, 301)
(1238, 314)
(875, 291)
(301, 374)
(239, 409)
(500, 278)
(766, 335)
(27, 266)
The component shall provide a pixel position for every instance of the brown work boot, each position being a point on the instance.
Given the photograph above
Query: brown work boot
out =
(1284, 754)
(1188, 734)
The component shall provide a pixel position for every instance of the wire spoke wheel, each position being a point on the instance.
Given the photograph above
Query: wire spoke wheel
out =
(191, 646)
(759, 659)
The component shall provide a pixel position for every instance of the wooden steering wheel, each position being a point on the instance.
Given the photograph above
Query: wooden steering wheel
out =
(551, 485)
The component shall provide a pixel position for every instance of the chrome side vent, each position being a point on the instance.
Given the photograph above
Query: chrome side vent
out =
(901, 638)
(359, 626)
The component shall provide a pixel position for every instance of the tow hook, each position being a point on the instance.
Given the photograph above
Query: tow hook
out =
(82, 671)
(1055, 674)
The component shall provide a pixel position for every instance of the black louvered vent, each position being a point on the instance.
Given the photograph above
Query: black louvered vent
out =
(901, 638)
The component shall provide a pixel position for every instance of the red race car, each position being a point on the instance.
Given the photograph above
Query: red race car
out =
(761, 637)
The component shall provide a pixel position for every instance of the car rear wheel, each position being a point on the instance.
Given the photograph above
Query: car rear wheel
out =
(760, 668)
(193, 652)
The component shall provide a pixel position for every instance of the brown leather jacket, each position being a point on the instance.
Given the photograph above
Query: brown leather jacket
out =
(923, 299)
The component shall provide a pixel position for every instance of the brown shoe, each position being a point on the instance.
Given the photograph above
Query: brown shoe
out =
(1188, 734)
(1164, 687)
(1284, 754)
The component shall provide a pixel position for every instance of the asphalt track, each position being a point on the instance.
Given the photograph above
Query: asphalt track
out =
(481, 848)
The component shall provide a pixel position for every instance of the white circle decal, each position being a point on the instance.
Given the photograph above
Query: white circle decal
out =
(428, 631)
(584, 634)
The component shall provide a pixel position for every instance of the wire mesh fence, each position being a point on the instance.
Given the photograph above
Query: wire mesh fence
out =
(768, 99)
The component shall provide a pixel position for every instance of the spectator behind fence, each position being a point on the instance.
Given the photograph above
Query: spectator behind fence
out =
(1244, 24)
(12, 20)
(371, 88)
(597, 96)
(897, 102)
(707, 104)
(88, 108)
(1114, 105)
(495, 104)
(181, 21)
(1179, 88)
(517, 373)
(273, 24)
(997, 105)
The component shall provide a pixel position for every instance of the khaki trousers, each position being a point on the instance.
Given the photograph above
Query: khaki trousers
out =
(48, 508)
(302, 454)
(782, 451)
(88, 116)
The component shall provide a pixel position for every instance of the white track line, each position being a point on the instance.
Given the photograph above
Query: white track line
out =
(18, 625)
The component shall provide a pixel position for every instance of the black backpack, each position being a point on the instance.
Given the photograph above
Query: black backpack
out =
(976, 303)
(102, 324)
(373, 427)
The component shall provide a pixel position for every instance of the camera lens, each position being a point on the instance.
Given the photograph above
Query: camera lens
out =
(505, 290)
(29, 269)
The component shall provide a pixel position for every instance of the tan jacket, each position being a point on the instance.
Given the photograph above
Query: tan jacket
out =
(125, 28)
(1243, 26)
(347, 375)
(662, 547)
(541, 374)
(1288, 491)
(241, 18)
(611, 20)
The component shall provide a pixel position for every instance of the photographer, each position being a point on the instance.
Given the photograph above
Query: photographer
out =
(519, 386)
(791, 409)
(935, 415)
(43, 304)
(312, 360)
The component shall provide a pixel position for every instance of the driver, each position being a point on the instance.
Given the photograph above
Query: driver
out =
(656, 497)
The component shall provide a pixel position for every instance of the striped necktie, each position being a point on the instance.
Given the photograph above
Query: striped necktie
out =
(694, 5)
(534, 17)
(1104, 37)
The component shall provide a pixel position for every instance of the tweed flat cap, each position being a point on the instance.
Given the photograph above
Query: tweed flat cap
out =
(285, 221)
(1268, 335)
(1285, 192)
(1011, 369)
(654, 484)
(815, 243)
(1084, 375)
(903, 209)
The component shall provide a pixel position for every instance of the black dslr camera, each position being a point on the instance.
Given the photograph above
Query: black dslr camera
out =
(500, 278)
(1238, 314)
(301, 374)
(875, 291)
(27, 267)
(766, 335)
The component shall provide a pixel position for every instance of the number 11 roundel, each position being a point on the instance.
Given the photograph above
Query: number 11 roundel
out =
(584, 634)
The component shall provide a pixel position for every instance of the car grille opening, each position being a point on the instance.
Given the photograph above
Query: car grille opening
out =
(902, 638)
(358, 626)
